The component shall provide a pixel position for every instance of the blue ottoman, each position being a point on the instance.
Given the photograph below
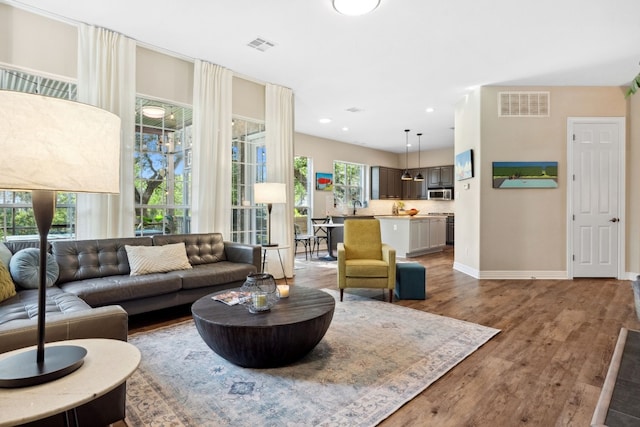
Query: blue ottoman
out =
(410, 281)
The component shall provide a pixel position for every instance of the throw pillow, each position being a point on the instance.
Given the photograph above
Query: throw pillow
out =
(7, 288)
(24, 266)
(157, 259)
(5, 255)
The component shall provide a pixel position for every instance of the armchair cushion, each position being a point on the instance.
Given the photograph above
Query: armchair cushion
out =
(366, 268)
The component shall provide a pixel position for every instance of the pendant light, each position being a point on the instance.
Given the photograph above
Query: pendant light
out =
(419, 176)
(406, 176)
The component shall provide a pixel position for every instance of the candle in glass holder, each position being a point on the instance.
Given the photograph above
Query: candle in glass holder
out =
(283, 290)
(259, 300)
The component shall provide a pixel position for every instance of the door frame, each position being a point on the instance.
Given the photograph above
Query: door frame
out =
(621, 123)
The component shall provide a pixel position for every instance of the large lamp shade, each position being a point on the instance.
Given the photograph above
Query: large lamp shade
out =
(49, 145)
(59, 145)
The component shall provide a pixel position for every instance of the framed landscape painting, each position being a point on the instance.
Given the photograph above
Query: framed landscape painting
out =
(464, 165)
(525, 174)
(324, 181)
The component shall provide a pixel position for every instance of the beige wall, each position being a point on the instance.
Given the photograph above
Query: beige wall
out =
(525, 230)
(33, 42)
(248, 99)
(164, 76)
(633, 187)
(467, 192)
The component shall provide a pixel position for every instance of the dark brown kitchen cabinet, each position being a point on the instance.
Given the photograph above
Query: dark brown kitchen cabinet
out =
(440, 176)
(385, 183)
(415, 190)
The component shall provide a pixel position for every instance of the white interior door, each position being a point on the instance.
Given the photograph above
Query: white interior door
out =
(595, 198)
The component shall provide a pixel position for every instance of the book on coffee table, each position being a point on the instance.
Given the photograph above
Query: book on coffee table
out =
(232, 297)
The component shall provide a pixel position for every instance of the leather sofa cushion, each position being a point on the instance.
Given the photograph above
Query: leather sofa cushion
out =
(24, 305)
(218, 273)
(115, 289)
(201, 248)
(86, 259)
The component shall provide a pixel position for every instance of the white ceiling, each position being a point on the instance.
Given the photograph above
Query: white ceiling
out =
(393, 64)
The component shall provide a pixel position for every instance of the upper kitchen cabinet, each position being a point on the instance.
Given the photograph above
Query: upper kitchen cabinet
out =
(440, 176)
(385, 183)
(415, 190)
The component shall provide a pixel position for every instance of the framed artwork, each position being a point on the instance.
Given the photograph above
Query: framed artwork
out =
(525, 174)
(324, 181)
(464, 165)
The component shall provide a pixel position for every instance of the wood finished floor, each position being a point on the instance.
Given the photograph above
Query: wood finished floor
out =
(545, 368)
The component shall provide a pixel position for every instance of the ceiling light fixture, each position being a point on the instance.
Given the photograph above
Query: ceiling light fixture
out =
(406, 176)
(419, 176)
(325, 121)
(153, 111)
(355, 7)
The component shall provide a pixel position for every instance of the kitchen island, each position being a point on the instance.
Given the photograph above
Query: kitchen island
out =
(414, 235)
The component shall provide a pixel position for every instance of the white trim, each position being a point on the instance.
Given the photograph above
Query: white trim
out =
(510, 274)
(620, 122)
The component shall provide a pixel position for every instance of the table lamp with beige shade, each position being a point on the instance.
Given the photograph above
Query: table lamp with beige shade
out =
(50, 145)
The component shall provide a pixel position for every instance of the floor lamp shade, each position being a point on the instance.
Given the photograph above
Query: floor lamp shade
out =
(50, 145)
(269, 193)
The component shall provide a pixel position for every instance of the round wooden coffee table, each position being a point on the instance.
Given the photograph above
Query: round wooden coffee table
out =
(292, 328)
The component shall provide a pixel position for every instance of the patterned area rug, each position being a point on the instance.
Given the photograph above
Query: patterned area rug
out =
(374, 358)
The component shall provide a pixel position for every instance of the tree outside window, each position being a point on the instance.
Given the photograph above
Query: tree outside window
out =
(301, 185)
(349, 183)
(248, 166)
(162, 163)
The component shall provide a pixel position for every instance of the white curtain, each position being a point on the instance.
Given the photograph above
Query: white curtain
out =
(106, 79)
(279, 147)
(211, 179)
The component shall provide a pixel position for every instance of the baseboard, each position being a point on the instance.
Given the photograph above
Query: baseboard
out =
(506, 274)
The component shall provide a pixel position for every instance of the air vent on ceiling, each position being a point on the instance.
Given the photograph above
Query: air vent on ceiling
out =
(261, 44)
(523, 104)
(354, 110)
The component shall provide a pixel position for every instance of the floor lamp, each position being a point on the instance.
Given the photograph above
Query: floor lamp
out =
(269, 193)
(51, 145)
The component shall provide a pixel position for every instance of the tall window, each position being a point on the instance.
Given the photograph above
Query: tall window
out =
(162, 163)
(16, 212)
(301, 188)
(349, 183)
(248, 162)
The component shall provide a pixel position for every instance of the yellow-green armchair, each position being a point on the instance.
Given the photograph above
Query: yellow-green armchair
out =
(363, 260)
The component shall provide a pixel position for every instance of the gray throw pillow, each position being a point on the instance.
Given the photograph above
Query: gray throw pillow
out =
(24, 268)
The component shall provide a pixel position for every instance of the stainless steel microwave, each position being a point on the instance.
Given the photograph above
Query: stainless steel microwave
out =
(439, 194)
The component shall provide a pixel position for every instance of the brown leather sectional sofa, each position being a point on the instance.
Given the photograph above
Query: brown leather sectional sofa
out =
(95, 293)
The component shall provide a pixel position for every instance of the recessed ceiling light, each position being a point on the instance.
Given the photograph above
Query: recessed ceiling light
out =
(355, 7)
(153, 111)
(430, 110)
(324, 121)
(344, 128)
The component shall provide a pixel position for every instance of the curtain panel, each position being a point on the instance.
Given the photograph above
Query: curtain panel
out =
(106, 79)
(279, 126)
(211, 179)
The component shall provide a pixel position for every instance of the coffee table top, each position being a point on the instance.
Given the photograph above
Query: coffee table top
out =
(301, 305)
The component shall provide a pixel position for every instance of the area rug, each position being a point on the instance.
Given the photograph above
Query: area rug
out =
(374, 358)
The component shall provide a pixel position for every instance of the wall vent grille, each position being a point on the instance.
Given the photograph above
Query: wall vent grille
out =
(261, 44)
(524, 104)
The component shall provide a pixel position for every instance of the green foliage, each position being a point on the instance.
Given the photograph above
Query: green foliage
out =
(635, 86)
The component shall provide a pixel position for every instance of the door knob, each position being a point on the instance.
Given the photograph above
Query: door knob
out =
(614, 220)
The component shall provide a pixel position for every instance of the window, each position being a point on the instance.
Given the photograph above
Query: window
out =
(349, 183)
(248, 166)
(16, 212)
(162, 163)
(301, 186)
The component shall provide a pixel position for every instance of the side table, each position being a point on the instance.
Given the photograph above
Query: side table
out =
(277, 249)
(107, 365)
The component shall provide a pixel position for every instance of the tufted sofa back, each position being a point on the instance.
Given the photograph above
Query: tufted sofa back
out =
(202, 248)
(87, 259)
